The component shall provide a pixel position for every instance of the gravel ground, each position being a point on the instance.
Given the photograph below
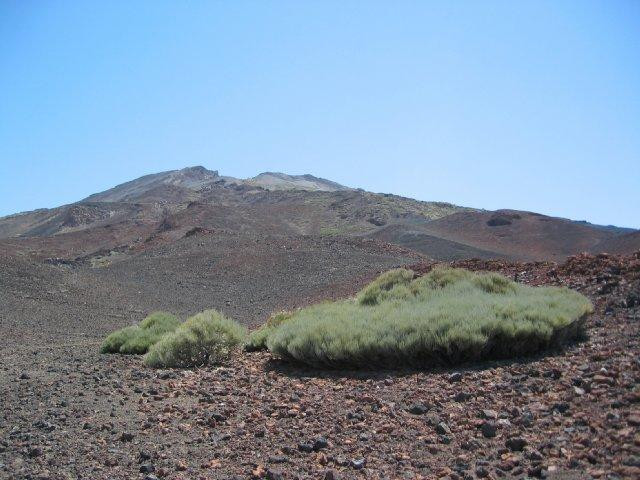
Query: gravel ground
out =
(69, 412)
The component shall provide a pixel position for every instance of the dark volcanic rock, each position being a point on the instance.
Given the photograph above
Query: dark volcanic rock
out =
(489, 429)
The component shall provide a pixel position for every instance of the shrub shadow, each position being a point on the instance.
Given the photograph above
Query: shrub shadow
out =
(293, 369)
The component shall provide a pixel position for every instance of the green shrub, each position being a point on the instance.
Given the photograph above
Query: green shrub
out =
(257, 339)
(449, 316)
(206, 338)
(160, 320)
(137, 339)
(115, 340)
(378, 290)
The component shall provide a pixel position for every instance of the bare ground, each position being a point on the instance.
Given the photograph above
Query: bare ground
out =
(69, 412)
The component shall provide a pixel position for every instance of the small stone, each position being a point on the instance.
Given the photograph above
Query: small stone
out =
(418, 409)
(126, 437)
(358, 464)
(24, 376)
(331, 475)
(305, 447)
(462, 397)
(553, 373)
(482, 472)
(603, 379)
(489, 429)
(44, 425)
(578, 391)
(516, 444)
(273, 474)
(631, 461)
(489, 414)
(455, 377)
(355, 416)
(634, 420)
(218, 417)
(526, 419)
(144, 455)
(443, 429)
(278, 459)
(320, 443)
(562, 407)
(35, 452)
(533, 455)
(147, 468)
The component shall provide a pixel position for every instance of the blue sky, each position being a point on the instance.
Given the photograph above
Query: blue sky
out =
(527, 105)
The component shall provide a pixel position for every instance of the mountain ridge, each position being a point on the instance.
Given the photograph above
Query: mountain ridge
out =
(162, 207)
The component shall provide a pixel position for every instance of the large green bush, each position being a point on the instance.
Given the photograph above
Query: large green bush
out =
(206, 338)
(446, 317)
(257, 339)
(137, 339)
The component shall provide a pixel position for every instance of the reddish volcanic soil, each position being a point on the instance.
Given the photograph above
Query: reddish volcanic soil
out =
(69, 412)
(517, 234)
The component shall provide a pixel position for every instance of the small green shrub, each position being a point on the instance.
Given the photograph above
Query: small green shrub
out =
(160, 320)
(257, 339)
(379, 289)
(137, 339)
(447, 317)
(206, 338)
(115, 340)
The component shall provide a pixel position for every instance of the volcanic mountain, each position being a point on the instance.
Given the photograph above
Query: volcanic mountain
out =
(163, 207)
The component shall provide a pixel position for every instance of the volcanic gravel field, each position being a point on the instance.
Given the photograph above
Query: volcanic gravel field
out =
(70, 412)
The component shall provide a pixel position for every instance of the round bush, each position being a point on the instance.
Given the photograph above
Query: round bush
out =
(447, 317)
(137, 339)
(206, 338)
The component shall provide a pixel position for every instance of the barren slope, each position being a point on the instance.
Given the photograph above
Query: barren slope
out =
(517, 234)
(164, 207)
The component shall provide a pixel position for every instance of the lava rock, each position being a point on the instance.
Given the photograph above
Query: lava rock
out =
(489, 429)
(331, 475)
(462, 397)
(516, 444)
(443, 429)
(273, 474)
(35, 452)
(278, 459)
(305, 447)
(320, 443)
(489, 414)
(418, 409)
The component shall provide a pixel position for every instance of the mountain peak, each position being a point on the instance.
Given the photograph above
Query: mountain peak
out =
(198, 170)
(283, 181)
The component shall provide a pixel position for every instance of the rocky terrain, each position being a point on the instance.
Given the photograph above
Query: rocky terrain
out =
(69, 412)
(188, 240)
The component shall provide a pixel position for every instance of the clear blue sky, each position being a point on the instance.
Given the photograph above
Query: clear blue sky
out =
(527, 105)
